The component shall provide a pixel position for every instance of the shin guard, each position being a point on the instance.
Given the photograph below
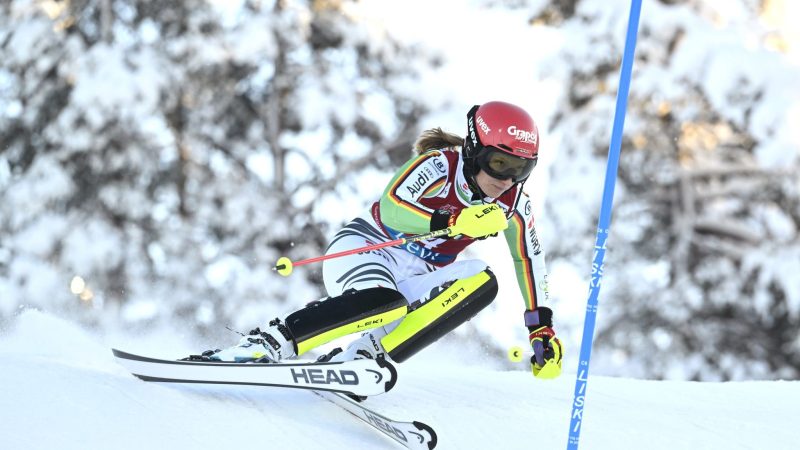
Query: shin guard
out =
(440, 315)
(351, 312)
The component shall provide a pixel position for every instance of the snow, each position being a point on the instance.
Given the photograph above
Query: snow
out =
(62, 378)
(65, 381)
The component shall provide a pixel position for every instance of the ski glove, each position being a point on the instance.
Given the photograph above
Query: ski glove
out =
(546, 359)
(478, 221)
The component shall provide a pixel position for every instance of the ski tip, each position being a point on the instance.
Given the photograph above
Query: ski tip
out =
(424, 427)
(120, 354)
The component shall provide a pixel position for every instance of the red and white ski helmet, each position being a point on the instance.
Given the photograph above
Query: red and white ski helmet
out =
(504, 126)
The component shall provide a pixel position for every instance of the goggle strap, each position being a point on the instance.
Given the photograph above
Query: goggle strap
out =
(472, 133)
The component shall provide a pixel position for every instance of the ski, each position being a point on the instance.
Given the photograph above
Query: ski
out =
(363, 377)
(413, 435)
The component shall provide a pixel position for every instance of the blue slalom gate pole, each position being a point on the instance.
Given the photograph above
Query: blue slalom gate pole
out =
(603, 227)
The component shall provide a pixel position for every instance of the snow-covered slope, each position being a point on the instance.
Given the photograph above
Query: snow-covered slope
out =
(63, 390)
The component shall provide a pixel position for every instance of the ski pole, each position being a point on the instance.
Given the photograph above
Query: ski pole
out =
(284, 265)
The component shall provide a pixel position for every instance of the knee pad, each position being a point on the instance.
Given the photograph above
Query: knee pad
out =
(351, 312)
(440, 315)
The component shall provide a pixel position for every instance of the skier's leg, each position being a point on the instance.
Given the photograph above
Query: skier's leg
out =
(374, 268)
(420, 288)
(349, 313)
(446, 298)
(363, 289)
(448, 307)
(316, 324)
(363, 295)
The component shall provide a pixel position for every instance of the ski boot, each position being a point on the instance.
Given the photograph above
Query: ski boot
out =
(368, 346)
(271, 345)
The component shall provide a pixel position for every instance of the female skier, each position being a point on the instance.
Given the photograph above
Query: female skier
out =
(404, 298)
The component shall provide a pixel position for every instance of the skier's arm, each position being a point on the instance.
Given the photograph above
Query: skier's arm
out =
(531, 271)
(528, 255)
(422, 176)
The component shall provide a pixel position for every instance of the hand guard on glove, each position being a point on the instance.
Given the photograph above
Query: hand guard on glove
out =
(478, 221)
(546, 359)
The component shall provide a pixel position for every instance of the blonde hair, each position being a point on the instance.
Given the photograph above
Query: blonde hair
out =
(435, 139)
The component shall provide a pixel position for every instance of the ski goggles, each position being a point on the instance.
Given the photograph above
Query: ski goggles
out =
(502, 165)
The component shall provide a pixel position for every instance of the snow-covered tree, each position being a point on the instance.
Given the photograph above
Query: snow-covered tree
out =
(159, 156)
(704, 243)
